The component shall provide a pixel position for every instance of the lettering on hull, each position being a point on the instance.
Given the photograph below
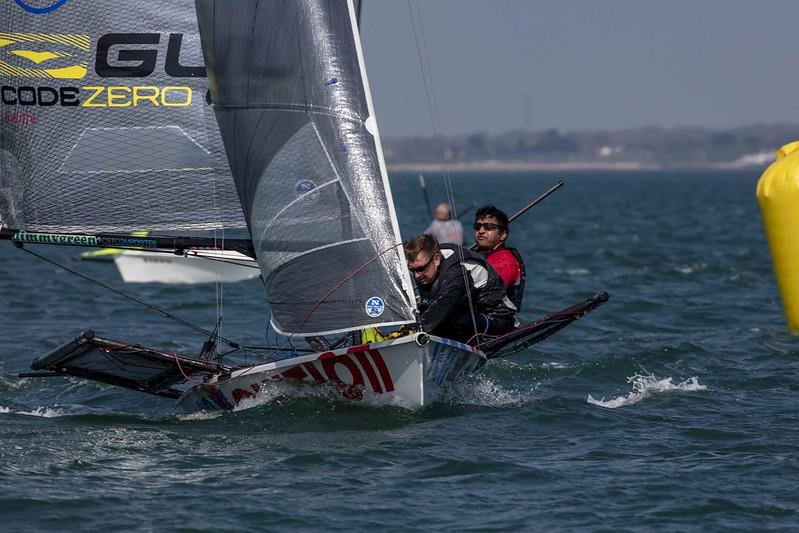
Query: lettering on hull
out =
(360, 369)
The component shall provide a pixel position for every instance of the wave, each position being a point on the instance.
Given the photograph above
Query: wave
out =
(476, 389)
(484, 391)
(43, 412)
(199, 415)
(12, 383)
(645, 386)
(279, 392)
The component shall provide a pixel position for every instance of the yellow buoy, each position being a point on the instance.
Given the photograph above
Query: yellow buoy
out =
(778, 195)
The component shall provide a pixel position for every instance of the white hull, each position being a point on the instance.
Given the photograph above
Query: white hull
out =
(411, 371)
(196, 267)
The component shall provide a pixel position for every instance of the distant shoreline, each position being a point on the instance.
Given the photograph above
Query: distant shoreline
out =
(642, 149)
(520, 166)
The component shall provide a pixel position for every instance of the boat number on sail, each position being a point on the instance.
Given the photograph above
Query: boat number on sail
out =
(375, 306)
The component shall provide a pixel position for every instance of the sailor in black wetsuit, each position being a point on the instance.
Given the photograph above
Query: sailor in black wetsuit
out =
(445, 285)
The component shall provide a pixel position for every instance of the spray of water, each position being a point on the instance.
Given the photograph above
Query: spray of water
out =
(479, 389)
(645, 386)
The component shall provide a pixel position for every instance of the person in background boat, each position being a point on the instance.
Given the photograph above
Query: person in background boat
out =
(443, 280)
(444, 228)
(490, 234)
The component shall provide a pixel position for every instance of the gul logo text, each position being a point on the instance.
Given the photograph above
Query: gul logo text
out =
(117, 55)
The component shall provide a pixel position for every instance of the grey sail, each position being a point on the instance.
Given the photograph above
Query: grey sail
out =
(293, 107)
(105, 123)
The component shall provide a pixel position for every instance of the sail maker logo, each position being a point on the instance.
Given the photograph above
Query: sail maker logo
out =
(117, 55)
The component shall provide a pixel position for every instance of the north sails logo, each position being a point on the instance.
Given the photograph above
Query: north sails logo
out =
(47, 7)
(375, 306)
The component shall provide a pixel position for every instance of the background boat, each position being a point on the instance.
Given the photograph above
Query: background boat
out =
(193, 267)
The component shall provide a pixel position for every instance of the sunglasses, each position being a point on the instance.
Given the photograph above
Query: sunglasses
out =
(487, 225)
(419, 270)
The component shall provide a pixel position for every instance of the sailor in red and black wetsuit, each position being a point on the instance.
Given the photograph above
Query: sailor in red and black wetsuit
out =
(460, 296)
(490, 234)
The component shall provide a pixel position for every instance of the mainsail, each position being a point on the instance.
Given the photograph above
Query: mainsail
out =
(293, 106)
(105, 122)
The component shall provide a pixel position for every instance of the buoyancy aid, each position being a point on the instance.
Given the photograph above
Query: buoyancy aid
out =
(516, 291)
(447, 294)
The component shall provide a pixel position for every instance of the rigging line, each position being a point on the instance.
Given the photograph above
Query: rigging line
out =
(219, 285)
(151, 307)
(429, 90)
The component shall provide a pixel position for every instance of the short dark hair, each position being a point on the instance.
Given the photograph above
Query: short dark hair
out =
(491, 211)
(421, 243)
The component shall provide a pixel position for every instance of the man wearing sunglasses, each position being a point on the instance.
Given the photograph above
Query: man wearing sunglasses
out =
(490, 234)
(448, 277)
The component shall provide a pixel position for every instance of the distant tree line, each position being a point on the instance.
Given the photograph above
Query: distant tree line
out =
(663, 147)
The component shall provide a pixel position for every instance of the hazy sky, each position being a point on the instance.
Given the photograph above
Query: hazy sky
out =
(584, 64)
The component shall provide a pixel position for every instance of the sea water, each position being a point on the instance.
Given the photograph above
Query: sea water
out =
(671, 407)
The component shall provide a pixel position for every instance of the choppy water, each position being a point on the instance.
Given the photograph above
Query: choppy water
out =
(674, 406)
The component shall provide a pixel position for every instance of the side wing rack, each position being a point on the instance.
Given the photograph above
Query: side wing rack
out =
(131, 366)
(529, 334)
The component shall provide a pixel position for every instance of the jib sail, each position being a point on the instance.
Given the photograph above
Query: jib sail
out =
(295, 113)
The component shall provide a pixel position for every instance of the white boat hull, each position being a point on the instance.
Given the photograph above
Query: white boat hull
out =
(412, 371)
(203, 267)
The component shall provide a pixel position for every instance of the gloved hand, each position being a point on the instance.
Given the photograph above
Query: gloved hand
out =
(408, 329)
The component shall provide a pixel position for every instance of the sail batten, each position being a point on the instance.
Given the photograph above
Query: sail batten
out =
(296, 119)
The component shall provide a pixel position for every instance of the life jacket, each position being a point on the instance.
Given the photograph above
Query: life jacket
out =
(488, 291)
(516, 291)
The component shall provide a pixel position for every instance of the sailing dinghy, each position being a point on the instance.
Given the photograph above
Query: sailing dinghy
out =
(209, 266)
(303, 156)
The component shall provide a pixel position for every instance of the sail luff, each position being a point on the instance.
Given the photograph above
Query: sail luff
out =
(371, 125)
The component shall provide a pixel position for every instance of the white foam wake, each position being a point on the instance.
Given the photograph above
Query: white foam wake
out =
(44, 412)
(199, 415)
(48, 412)
(277, 392)
(644, 387)
(479, 389)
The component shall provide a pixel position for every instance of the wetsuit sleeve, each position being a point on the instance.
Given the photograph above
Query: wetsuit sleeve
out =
(506, 266)
(451, 296)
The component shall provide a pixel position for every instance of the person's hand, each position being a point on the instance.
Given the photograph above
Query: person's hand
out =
(408, 329)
